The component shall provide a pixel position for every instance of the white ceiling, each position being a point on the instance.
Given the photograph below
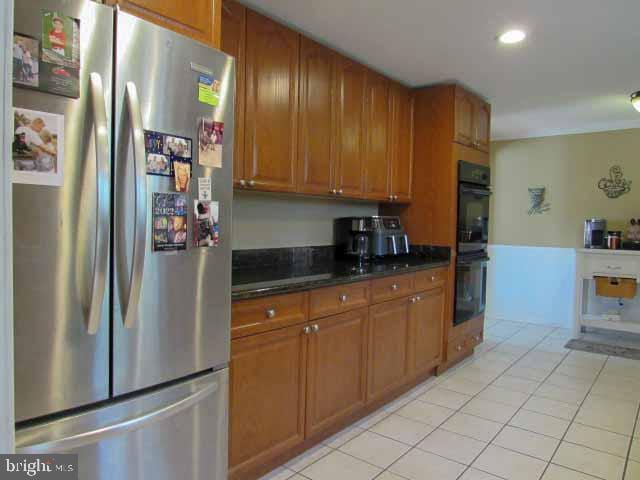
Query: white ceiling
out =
(574, 73)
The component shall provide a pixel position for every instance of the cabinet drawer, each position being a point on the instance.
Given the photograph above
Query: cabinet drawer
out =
(475, 338)
(391, 287)
(263, 314)
(611, 265)
(457, 349)
(329, 301)
(428, 279)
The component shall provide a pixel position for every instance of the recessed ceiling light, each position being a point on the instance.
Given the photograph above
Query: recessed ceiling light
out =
(512, 36)
(635, 100)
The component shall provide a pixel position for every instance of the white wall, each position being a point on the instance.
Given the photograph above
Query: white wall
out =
(267, 220)
(531, 284)
(6, 292)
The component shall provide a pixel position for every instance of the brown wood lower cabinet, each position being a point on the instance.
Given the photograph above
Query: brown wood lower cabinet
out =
(426, 315)
(353, 347)
(388, 339)
(267, 397)
(337, 365)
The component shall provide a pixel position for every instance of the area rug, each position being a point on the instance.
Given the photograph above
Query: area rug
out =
(604, 349)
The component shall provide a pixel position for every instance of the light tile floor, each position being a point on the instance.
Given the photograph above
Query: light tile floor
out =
(522, 408)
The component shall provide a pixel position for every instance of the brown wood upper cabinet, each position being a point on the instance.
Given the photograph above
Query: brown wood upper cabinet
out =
(377, 183)
(316, 139)
(350, 81)
(234, 43)
(336, 374)
(401, 143)
(271, 109)
(472, 120)
(200, 19)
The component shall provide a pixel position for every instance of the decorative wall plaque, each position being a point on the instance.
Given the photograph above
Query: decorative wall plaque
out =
(616, 185)
(536, 197)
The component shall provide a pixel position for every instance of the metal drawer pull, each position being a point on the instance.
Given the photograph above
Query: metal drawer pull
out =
(414, 299)
(418, 298)
(477, 338)
(394, 287)
(343, 298)
(459, 347)
(252, 183)
(306, 330)
(271, 313)
(243, 183)
(433, 278)
(315, 328)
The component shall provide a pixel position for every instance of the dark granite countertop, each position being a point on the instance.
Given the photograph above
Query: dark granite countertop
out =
(264, 280)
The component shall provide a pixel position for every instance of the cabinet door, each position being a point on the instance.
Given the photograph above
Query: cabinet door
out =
(349, 133)
(482, 125)
(336, 374)
(426, 322)
(271, 110)
(388, 335)
(376, 153)
(234, 42)
(464, 130)
(316, 154)
(267, 396)
(401, 143)
(199, 20)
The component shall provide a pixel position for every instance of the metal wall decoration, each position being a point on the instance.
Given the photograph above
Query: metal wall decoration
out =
(616, 185)
(536, 197)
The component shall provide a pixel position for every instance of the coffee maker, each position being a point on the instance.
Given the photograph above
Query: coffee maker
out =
(369, 237)
(595, 233)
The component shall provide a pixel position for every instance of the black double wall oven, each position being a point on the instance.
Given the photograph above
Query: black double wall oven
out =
(472, 239)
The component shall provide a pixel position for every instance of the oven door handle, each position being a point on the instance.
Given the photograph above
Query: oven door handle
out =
(470, 263)
(484, 192)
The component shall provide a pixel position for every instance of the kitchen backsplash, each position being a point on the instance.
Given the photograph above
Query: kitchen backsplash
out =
(272, 220)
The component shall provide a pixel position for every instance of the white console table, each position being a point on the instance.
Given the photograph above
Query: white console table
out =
(592, 263)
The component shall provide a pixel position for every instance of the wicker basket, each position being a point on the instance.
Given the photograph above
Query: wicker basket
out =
(615, 287)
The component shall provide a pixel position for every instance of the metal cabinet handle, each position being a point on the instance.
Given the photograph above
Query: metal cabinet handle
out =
(120, 429)
(343, 298)
(271, 313)
(131, 300)
(306, 330)
(418, 298)
(394, 287)
(340, 192)
(243, 183)
(391, 197)
(395, 197)
(477, 337)
(459, 348)
(103, 189)
(315, 327)
(252, 183)
(334, 191)
(414, 299)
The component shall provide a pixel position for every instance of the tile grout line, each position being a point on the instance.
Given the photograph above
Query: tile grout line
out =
(628, 459)
(456, 411)
(519, 408)
(434, 382)
(572, 421)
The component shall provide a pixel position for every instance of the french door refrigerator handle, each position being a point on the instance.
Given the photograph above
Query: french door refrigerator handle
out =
(78, 440)
(103, 189)
(130, 307)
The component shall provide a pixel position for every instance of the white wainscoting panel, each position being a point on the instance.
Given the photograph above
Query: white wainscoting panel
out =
(531, 284)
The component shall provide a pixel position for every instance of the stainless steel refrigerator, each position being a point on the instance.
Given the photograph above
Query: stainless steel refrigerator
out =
(121, 352)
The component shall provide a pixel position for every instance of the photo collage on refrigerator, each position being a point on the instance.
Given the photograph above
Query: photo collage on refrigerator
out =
(50, 64)
(171, 156)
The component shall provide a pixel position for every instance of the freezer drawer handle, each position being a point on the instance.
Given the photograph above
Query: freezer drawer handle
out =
(73, 442)
(130, 307)
(103, 187)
